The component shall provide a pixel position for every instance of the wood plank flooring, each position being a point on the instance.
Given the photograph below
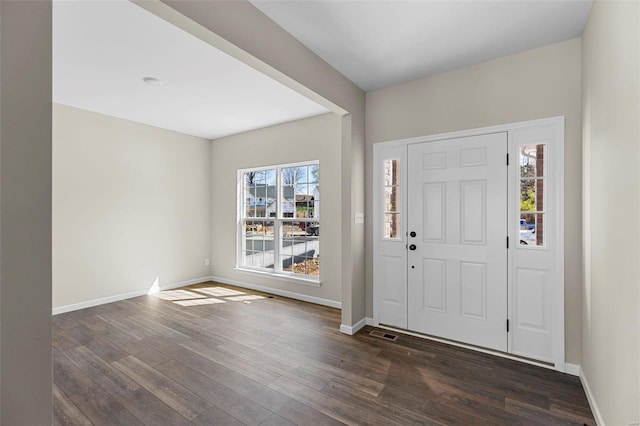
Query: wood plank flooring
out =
(213, 354)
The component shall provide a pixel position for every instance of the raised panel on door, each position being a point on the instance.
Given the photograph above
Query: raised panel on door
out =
(473, 290)
(393, 291)
(434, 279)
(434, 203)
(473, 211)
(532, 314)
(457, 274)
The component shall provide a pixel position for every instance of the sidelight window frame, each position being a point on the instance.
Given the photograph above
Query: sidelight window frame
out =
(540, 183)
(393, 210)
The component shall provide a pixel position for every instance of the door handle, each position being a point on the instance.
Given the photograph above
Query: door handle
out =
(412, 247)
(413, 234)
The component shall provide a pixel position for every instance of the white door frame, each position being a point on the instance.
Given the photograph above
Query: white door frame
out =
(553, 126)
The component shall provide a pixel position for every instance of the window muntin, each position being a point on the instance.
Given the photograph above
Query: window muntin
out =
(258, 244)
(300, 251)
(532, 206)
(280, 220)
(258, 189)
(392, 200)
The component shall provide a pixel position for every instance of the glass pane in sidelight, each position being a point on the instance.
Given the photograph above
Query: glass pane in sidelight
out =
(532, 160)
(391, 172)
(532, 195)
(528, 195)
(392, 228)
(532, 226)
(392, 199)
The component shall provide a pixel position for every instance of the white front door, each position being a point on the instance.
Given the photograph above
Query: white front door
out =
(457, 258)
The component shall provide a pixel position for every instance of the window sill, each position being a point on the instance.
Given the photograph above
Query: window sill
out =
(280, 277)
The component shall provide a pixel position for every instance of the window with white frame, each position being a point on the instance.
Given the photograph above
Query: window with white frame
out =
(392, 200)
(279, 223)
(532, 195)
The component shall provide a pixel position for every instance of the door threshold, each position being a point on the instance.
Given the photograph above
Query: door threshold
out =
(500, 354)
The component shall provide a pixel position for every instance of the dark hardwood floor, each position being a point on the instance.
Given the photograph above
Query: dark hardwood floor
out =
(215, 354)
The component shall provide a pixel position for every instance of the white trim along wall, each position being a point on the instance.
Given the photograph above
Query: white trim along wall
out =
(243, 284)
(124, 296)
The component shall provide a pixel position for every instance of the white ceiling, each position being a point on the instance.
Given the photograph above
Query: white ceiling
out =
(102, 50)
(380, 43)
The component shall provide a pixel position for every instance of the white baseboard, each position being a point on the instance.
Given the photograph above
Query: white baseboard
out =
(592, 401)
(573, 369)
(351, 330)
(122, 296)
(278, 292)
(370, 321)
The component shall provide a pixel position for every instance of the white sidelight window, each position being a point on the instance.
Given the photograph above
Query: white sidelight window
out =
(392, 200)
(532, 194)
(279, 220)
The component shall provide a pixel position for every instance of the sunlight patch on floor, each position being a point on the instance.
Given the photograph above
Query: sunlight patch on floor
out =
(247, 297)
(196, 302)
(178, 295)
(218, 291)
(199, 296)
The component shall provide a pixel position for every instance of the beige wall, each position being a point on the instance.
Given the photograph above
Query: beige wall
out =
(25, 209)
(249, 35)
(535, 84)
(611, 303)
(316, 138)
(131, 203)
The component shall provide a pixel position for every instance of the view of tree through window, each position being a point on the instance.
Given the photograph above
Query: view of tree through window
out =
(280, 223)
(392, 200)
(532, 204)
